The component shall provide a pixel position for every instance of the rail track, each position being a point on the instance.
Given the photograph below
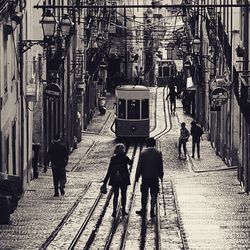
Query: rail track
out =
(98, 230)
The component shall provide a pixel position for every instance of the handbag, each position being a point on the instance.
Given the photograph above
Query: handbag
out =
(103, 189)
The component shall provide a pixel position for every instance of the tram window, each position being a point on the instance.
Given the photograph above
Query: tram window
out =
(160, 72)
(121, 109)
(145, 109)
(166, 71)
(133, 109)
(172, 71)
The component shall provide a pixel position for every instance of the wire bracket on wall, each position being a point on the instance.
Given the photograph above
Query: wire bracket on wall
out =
(25, 45)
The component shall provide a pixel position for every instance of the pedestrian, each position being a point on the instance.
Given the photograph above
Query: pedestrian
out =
(172, 94)
(184, 135)
(140, 75)
(58, 156)
(151, 169)
(136, 75)
(183, 100)
(118, 176)
(36, 148)
(196, 133)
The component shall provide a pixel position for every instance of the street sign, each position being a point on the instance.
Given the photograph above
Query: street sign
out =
(219, 96)
(52, 91)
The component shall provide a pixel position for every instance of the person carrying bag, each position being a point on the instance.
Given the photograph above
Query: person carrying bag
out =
(183, 139)
(118, 177)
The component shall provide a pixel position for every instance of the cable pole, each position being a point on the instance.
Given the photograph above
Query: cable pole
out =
(21, 138)
(125, 43)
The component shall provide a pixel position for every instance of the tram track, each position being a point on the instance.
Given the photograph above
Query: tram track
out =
(93, 228)
(116, 222)
(96, 230)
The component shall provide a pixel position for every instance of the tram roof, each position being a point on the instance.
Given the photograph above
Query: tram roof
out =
(130, 87)
(128, 92)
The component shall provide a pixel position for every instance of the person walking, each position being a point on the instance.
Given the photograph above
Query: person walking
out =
(136, 75)
(172, 94)
(184, 135)
(196, 133)
(58, 156)
(140, 75)
(150, 168)
(118, 176)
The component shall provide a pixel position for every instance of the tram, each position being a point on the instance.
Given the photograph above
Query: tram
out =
(132, 111)
(164, 71)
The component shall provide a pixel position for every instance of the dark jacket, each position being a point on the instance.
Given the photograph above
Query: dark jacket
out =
(58, 154)
(172, 94)
(150, 164)
(118, 162)
(196, 132)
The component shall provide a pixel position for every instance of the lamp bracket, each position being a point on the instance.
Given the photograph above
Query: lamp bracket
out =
(25, 45)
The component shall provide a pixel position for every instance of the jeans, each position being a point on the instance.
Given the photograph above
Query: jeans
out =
(123, 198)
(197, 143)
(181, 142)
(153, 186)
(59, 177)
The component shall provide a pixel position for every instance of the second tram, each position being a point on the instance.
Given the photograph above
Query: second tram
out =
(132, 111)
(166, 70)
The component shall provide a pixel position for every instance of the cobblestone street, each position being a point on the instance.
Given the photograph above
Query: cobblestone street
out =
(205, 206)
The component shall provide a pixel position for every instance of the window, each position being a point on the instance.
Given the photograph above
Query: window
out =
(121, 109)
(133, 109)
(166, 71)
(160, 71)
(145, 109)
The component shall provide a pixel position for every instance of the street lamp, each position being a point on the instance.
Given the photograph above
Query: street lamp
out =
(196, 45)
(66, 25)
(48, 23)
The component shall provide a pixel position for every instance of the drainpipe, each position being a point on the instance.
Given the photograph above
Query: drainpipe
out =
(21, 103)
(246, 142)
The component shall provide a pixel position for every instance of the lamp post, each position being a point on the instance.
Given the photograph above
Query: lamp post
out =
(196, 46)
(48, 23)
(54, 33)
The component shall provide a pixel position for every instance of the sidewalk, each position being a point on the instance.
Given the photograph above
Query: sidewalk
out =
(214, 163)
(39, 213)
(213, 211)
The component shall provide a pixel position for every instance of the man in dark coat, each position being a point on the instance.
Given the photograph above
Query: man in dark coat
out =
(173, 95)
(151, 169)
(196, 133)
(58, 156)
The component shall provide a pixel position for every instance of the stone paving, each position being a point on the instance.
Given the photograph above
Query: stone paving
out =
(213, 212)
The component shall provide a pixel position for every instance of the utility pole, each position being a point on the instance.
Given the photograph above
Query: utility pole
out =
(246, 130)
(21, 138)
(125, 43)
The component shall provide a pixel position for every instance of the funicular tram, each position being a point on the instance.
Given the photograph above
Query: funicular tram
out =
(165, 70)
(132, 111)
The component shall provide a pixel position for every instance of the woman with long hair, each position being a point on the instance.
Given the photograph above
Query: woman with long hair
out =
(118, 176)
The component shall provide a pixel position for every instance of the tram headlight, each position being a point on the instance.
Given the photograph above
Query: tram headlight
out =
(133, 128)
